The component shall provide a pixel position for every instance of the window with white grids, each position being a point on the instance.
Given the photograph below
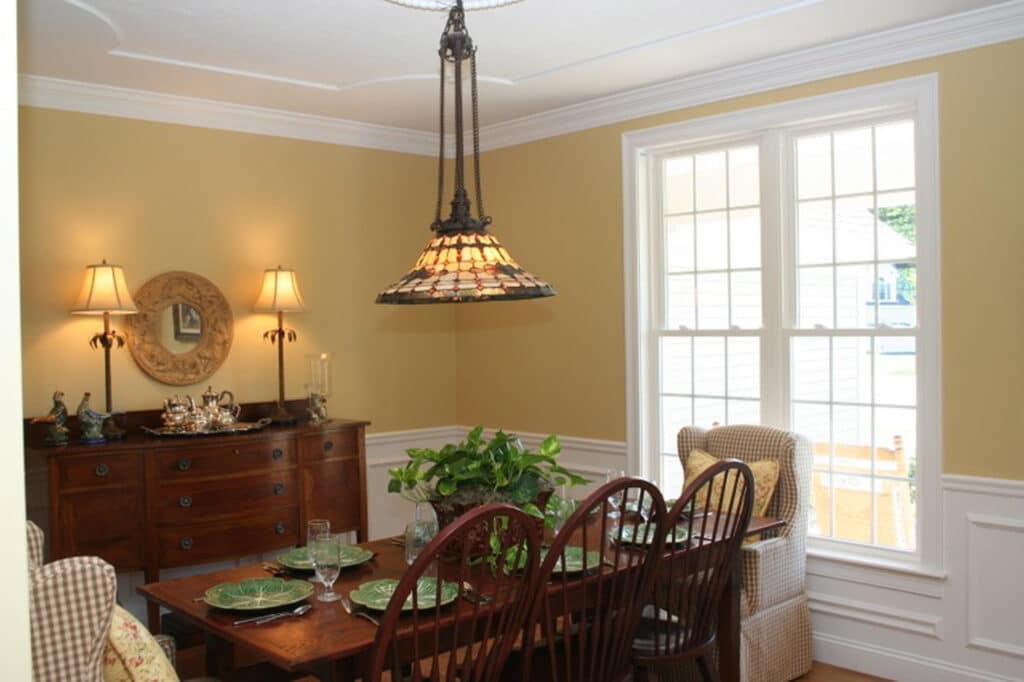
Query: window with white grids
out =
(786, 273)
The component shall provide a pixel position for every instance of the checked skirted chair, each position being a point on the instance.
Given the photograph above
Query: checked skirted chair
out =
(775, 643)
(79, 632)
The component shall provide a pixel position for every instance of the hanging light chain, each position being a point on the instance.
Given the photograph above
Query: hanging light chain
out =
(476, 143)
(440, 157)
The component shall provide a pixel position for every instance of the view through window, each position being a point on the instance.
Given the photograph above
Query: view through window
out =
(804, 316)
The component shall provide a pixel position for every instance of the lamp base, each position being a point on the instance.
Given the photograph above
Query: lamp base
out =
(282, 417)
(111, 431)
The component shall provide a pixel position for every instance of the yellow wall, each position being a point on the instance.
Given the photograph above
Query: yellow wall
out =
(225, 205)
(558, 365)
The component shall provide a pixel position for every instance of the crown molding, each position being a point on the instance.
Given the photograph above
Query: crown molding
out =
(108, 100)
(963, 31)
(918, 41)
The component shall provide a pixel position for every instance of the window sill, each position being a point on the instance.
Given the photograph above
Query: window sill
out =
(904, 576)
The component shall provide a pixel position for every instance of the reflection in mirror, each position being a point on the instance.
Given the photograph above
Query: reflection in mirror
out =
(180, 328)
(183, 330)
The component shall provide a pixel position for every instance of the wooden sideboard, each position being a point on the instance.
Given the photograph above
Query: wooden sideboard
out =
(146, 503)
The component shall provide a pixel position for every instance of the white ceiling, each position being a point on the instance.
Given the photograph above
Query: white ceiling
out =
(374, 61)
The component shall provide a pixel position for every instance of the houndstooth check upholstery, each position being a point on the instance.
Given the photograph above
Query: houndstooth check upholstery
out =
(71, 602)
(774, 604)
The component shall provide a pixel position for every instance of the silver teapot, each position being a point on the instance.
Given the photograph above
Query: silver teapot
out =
(176, 411)
(220, 416)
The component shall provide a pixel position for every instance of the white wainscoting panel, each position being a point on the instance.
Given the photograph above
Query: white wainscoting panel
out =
(963, 625)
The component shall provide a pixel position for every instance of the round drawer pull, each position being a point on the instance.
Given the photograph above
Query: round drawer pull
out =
(184, 464)
(280, 528)
(328, 445)
(279, 488)
(277, 454)
(185, 501)
(234, 451)
(102, 469)
(186, 543)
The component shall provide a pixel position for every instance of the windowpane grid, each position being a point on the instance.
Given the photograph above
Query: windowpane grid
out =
(711, 221)
(855, 396)
(712, 235)
(839, 306)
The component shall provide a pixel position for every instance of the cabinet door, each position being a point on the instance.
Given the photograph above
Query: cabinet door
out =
(333, 490)
(106, 523)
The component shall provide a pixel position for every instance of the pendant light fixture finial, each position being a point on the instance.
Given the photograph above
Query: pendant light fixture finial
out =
(463, 262)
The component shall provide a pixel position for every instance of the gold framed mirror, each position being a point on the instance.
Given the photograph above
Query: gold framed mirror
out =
(183, 330)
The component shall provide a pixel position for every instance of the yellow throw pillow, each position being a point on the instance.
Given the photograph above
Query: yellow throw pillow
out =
(132, 654)
(766, 476)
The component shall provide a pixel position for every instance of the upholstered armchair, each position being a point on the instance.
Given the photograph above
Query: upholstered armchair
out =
(775, 642)
(78, 630)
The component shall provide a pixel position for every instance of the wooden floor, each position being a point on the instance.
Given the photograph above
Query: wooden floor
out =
(823, 672)
(191, 663)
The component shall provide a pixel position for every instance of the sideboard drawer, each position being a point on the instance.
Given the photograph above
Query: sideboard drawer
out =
(182, 463)
(209, 499)
(100, 471)
(196, 543)
(341, 443)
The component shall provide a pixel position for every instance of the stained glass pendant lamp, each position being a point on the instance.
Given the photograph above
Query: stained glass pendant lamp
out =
(463, 262)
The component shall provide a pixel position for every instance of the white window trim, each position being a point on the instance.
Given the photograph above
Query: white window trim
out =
(918, 95)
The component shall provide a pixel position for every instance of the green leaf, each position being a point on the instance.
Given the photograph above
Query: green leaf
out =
(533, 510)
(394, 486)
(551, 446)
(446, 487)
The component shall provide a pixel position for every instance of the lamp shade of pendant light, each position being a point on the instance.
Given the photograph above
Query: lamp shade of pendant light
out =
(463, 262)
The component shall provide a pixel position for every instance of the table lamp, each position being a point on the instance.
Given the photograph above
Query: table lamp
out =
(105, 292)
(280, 294)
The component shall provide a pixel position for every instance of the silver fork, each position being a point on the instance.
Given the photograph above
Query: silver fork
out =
(351, 610)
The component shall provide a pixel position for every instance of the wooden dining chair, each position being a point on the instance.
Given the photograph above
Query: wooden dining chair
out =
(583, 622)
(488, 558)
(680, 624)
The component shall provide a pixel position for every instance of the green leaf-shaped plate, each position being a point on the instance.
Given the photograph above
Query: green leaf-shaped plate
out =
(645, 534)
(257, 594)
(377, 593)
(298, 559)
(573, 560)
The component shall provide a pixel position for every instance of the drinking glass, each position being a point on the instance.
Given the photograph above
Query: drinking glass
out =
(325, 551)
(615, 504)
(418, 535)
(315, 527)
(563, 507)
(615, 499)
(644, 502)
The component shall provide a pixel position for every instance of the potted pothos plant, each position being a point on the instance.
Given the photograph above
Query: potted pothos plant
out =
(476, 471)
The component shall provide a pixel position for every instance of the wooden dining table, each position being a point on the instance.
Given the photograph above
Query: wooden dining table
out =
(332, 645)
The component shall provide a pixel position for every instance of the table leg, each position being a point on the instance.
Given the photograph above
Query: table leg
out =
(220, 657)
(152, 608)
(729, 626)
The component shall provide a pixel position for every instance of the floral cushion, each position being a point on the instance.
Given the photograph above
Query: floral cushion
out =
(132, 654)
(766, 475)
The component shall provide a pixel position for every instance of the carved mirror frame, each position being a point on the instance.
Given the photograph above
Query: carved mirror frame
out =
(144, 328)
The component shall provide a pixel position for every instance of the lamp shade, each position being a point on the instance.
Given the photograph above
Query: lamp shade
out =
(104, 290)
(465, 267)
(280, 292)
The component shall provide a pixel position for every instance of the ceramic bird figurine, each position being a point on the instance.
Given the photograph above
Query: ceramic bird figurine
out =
(56, 421)
(90, 422)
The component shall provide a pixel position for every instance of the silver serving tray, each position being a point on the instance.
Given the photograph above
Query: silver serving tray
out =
(176, 431)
